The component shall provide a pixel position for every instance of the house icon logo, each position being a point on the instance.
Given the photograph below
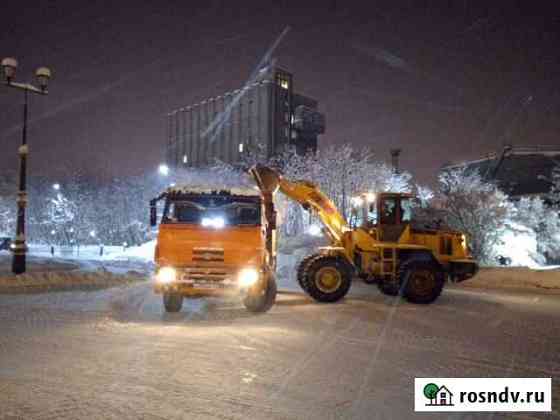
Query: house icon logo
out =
(438, 396)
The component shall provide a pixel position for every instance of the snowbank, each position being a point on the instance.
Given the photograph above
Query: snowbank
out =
(55, 281)
(48, 274)
(291, 251)
(491, 278)
(144, 252)
(519, 243)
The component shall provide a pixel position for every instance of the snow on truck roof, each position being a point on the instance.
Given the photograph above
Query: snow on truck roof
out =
(199, 189)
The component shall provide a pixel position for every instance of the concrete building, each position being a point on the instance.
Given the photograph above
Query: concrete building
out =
(262, 119)
(518, 171)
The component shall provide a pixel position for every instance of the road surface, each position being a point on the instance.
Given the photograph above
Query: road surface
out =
(114, 354)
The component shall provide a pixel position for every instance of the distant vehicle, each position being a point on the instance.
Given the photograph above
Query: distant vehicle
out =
(215, 242)
(5, 244)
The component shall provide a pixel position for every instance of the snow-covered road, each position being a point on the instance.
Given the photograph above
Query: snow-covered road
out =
(114, 354)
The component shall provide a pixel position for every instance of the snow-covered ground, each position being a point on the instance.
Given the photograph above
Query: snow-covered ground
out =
(72, 269)
(115, 354)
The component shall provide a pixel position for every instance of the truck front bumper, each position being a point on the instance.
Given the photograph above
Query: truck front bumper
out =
(205, 281)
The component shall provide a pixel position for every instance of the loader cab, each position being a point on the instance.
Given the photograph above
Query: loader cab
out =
(384, 215)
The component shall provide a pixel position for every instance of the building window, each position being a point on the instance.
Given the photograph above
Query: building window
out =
(185, 160)
(294, 134)
(240, 147)
(284, 82)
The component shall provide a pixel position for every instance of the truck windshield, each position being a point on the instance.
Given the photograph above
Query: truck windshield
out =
(213, 211)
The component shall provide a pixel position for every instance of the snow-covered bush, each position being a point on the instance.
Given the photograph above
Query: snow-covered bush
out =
(544, 220)
(476, 207)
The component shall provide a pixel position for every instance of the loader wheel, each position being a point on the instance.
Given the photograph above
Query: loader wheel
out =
(172, 302)
(421, 281)
(263, 299)
(301, 272)
(327, 279)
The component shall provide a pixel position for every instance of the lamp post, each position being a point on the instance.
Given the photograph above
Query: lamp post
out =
(43, 74)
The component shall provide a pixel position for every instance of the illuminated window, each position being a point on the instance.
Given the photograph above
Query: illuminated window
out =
(240, 147)
(283, 82)
(185, 160)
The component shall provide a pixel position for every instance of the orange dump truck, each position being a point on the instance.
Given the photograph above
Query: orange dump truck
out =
(213, 242)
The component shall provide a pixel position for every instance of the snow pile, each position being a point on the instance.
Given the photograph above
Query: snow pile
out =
(51, 281)
(515, 278)
(198, 189)
(219, 178)
(291, 251)
(145, 251)
(519, 243)
(49, 274)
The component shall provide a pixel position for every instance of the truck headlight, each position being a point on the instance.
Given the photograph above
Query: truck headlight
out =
(248, 277)
(166, 275)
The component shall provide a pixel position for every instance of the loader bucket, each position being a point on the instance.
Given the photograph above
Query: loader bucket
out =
(267, 179)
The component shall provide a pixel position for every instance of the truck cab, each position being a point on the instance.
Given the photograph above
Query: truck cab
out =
(214, 242)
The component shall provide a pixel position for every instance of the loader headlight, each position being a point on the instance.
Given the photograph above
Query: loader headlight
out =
(248, 277)
(166, 275)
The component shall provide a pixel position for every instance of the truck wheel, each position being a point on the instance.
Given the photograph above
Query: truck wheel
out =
(301, 272)
(262, 300)
(172, 302)
(389, 288)
(421, 281)
(327, 279)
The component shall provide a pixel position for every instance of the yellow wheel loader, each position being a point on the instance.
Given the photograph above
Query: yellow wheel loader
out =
(382, 245)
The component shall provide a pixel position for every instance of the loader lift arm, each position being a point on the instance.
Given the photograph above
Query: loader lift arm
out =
(306, 194)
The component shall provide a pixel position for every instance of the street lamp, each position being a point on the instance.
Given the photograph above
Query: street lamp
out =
(43, 74)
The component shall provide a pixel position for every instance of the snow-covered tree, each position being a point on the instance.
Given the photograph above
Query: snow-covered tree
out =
(340, 172)
(475, 207)
(555, 187)
(544, 221)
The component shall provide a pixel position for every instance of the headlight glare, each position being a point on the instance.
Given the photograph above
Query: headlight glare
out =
(248, 277)
(166, 275)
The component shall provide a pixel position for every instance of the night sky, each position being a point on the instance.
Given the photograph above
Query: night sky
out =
(444, 81)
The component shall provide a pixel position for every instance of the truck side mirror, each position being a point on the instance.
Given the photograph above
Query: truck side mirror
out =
(153, 214)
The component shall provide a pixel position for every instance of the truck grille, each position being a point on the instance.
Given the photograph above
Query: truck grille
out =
(208, 254)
